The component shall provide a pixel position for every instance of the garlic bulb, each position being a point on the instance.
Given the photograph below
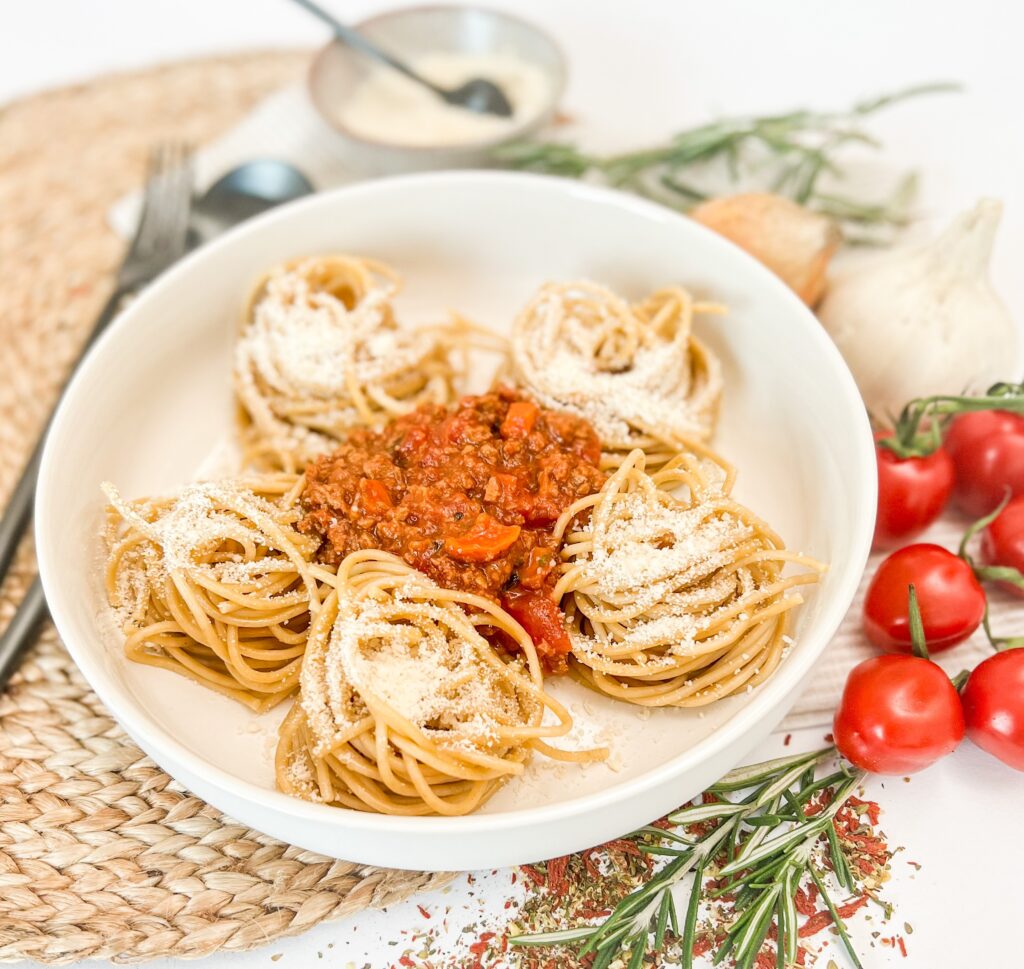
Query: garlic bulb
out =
(921, 321)
(793, 242)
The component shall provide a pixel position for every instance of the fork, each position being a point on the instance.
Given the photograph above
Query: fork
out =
(159, 241)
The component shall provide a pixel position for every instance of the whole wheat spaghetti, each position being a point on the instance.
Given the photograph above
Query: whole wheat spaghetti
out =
(636, 372)
(675, 592)
(405, 708)
(216, 584)
(320, 351)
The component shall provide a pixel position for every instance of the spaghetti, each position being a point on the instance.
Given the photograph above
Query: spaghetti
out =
(438, 557)
(404, 707)
(320, 351)
(675, 592)
(216, 584)
(636, 372)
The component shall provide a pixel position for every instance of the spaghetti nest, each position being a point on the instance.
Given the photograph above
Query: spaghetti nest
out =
(216, 584)
(404, 707)
(636, 372)
(675, 593)
(320, 351)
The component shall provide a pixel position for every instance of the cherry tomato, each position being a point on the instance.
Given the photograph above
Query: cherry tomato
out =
(911, 493)
(951, 599)
(993, 702)
(1002, 542)
(987, 448)
(898, 714)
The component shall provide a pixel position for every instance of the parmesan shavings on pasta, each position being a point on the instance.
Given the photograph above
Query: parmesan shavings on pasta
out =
(675, 593)
(635, 372)
(647, 550)
(320, 351)
(187, 526)
(421, 661)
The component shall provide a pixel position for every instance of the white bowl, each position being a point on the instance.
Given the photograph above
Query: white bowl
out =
(153, 401)
(409, 32)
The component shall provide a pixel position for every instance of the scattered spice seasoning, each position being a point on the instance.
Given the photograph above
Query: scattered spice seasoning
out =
(584, 889)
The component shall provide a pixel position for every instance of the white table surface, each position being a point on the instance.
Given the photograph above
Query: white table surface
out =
(641, 69)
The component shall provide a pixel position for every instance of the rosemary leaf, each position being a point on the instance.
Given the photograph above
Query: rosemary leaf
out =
(744, 777)
(800, 146)
(662, 925)
(639, 951)
(690, 925)
(839, 924)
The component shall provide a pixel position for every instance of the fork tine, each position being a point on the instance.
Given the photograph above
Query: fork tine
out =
(155, 167)
(161, 237)
(170, 200)
(155, 198)
(183, 196)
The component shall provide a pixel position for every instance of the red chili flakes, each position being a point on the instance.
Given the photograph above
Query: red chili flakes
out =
(557, 882)
(588, 863)
(423, 912)
(902, 945)
(626, 847)
(823, 919)
(406, 961)
(819, 802)
(789, 737)
(478, 948)
(871, 808)
(535, 876)
(702, 947)
(805, 899)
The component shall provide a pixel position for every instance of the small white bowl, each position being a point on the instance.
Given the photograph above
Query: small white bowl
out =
(411, 32)
(153, 400)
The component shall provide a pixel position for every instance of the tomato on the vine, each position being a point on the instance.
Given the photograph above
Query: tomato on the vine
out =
(987, 448)
(1002, 543)
(972, 447)
(898, 714)
(912, 491)
(993, 702)
(951, 598)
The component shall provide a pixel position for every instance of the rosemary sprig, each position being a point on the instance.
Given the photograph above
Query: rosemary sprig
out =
(790, 151)
(764, 845)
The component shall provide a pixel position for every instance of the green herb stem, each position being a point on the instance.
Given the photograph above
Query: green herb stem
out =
(801, 146)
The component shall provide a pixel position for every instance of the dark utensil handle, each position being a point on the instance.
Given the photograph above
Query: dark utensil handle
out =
(19, 509)
(18, 512)
(21, 631)
(356, 40)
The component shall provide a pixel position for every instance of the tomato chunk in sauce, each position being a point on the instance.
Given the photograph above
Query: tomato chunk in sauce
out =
(467, 495)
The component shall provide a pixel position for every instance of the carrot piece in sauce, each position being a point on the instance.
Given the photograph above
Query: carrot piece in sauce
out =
(485, 540)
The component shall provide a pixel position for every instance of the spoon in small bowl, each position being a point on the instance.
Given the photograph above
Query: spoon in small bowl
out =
(245, 191)
(478, 94)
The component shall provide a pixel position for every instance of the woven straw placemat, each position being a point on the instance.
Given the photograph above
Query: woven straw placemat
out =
(101, 853)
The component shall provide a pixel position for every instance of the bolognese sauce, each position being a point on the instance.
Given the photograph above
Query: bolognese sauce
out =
(466, 495)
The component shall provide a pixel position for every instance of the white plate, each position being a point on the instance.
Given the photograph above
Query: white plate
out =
(153, 401)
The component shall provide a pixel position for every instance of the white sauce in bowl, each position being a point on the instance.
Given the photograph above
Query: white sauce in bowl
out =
(386, 106)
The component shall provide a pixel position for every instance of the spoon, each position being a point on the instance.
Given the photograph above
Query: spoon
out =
(245, 191)
(478, 94)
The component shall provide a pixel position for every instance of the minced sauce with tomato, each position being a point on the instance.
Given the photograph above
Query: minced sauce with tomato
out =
(468, 496)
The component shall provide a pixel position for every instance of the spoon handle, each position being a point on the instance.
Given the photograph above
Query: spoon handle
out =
(356, 40)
